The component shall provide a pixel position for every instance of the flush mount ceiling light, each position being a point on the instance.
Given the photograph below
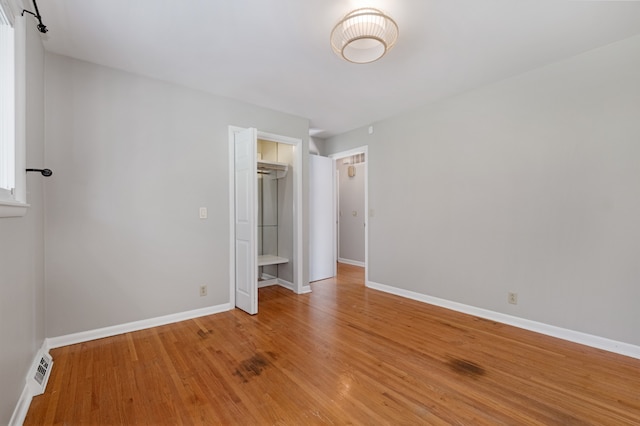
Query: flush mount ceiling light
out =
(364, 35)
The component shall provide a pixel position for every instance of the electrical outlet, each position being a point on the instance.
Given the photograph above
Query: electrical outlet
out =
(512, 298)
(203, 290)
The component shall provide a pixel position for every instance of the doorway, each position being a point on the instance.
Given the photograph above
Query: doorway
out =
(244, 210)
(351, 183)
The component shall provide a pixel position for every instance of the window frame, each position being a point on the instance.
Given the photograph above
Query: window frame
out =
(15, 204)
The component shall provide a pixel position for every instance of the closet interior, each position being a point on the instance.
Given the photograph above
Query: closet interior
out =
(275, 213)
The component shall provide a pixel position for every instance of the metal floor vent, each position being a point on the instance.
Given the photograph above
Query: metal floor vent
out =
(41, 371)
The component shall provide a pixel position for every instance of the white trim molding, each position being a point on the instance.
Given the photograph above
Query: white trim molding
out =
(14, 203)
(22, 407)
(288, 285)
(305, 289)
(336, 156)
(85, 336)
(24, 402)
(351, 262)
(13, 209)
(270, 280)
(598, 342)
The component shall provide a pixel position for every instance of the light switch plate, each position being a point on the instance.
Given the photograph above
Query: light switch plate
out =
(203, 212)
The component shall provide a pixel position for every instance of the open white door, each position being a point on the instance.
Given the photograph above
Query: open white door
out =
(321, 218)
(246, 248)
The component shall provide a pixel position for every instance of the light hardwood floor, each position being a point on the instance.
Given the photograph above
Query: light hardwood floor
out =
(343, 354)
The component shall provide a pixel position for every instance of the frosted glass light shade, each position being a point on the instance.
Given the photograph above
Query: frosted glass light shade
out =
(364, 35)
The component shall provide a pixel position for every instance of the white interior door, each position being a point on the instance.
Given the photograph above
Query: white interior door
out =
(321, 218)
(246, 221)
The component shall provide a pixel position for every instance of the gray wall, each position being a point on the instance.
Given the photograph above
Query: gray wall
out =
(21, 252)
(351, 244)
(134, 160)
(528, 185)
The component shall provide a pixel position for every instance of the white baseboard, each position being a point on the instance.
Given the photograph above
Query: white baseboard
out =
(305, 289)
(291, 286)
(267, 280)
(85, 336)
(267, 283)
(598, 342)
(351, 262)
(286, 284)
(22, 407)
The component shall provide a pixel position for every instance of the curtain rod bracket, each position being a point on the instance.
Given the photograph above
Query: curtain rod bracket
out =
(41, 27)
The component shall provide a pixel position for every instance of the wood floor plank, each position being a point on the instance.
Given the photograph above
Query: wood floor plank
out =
(344, 354)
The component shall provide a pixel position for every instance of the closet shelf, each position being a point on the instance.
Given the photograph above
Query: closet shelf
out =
(268, 259)
(271, 166)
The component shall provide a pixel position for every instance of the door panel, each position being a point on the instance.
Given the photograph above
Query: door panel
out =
(246, 221)
(321, 218)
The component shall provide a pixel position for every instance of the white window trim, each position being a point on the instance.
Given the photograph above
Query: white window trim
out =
(16, 205)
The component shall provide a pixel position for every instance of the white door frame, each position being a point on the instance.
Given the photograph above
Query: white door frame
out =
(336, 213)
(337, 156)
(298, 258)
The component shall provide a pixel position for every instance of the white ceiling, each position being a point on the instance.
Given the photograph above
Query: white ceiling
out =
(277, 54)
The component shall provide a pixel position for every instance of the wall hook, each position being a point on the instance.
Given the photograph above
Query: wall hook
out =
(44, 172)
